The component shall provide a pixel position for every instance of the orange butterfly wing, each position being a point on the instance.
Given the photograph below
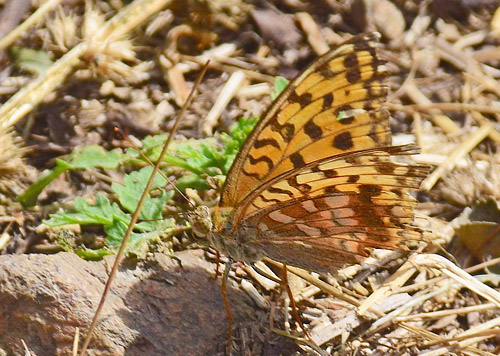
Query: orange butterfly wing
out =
(330, 212)
(314, 185)
(330, 109)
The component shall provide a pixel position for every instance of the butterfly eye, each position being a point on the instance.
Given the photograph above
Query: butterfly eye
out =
(200, 221)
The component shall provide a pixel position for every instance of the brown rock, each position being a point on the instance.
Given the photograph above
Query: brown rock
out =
(158, 309)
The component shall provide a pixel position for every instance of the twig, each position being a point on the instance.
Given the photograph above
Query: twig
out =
(443, 313)
(441, 120)
(225, 96)
(460, 152)
(313, 32)
(31, 21)
(486, 109)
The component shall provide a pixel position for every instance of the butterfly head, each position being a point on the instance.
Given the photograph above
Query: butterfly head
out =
(200, 220)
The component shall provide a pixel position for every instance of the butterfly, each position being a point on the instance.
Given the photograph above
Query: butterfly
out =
(314, 185)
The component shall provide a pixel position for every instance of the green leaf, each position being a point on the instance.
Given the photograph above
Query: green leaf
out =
(192, 181)
(101, 213)
(237, 136)
(64, 240)
(92, 255)
(30, 60)
(95, 156)
(88, 157)
(280, 84)
(138, 243)
(130, 192)
(29, 197)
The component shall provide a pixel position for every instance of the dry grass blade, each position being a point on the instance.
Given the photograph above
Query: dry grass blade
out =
(313, 32)
(34, 19)
(394, 282)
(441, 120)
(327, 288)
(443, 313)
(434, 339)
(460, 152)
(226, 95)
(26, 99)
(76, 341)
(457, 274)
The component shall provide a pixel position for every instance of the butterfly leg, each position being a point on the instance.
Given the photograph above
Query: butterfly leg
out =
(295, 313)
(217, 264)
(226, 304)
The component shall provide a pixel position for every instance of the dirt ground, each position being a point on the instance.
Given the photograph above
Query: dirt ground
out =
(72, 71)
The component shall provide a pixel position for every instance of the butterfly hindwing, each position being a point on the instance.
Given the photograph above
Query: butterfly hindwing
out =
(337, 208)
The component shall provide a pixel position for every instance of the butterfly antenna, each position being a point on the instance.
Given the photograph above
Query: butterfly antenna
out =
(135, 215)
(134, 146)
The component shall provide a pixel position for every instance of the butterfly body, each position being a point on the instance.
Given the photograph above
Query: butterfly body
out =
(314, 185)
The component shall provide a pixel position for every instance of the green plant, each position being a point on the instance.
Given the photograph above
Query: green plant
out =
(115, 217)
(202, 158)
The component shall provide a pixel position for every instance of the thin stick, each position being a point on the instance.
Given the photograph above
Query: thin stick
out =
(137, 211)
(461, 151)
(75, 342)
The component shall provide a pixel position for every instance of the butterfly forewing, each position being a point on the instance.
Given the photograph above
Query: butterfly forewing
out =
(331, 108)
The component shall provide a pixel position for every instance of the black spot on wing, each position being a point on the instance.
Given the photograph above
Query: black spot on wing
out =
(266, 142)
(287, 132)
(293, 97)
(353, 75)
(326, 72)
(352, 160)
(305, 99)
(330, 173)
(353, 179)
(346, 120)
(398, 192)
(368, 191)
(343, 141)
(265, 159)
(368, 105)
(331, 190)
(312, 130)
(297, 160)
(351, 60)
(385, 167)
(327, 101)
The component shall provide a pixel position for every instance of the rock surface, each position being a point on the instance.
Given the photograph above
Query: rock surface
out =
(158, 309)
